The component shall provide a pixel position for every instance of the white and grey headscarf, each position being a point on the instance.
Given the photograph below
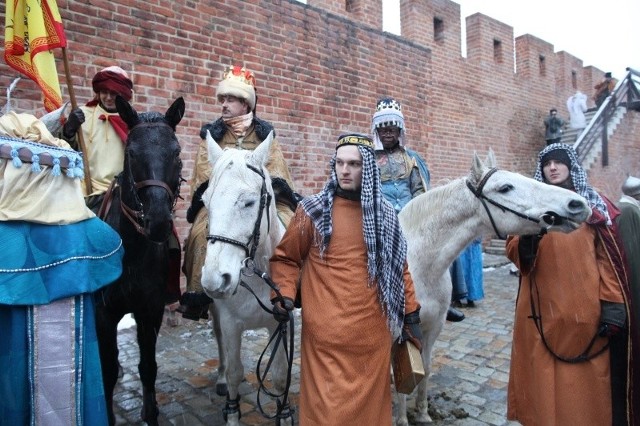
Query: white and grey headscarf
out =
(578, 176)
(388, 113)
(386, 246)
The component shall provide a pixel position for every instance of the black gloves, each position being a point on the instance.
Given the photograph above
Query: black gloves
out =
(528, 248)
(282, 308)
(75, 119)
(411, 330)
(613, 318)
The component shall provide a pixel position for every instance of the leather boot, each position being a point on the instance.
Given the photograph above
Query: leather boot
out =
(454, 315)
(194, 306)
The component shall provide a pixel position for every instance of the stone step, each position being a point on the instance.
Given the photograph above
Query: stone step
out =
(495, 250)
(495, 246)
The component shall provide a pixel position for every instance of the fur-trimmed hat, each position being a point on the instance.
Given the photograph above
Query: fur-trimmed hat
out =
(388, 113)
(239, 82)
(631, 187)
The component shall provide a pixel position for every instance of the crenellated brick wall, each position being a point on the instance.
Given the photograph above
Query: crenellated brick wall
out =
(320, 68)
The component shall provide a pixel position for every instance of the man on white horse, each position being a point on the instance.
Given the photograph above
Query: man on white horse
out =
(403, 173)
(238, 127)
(345, 247)
(571, 313)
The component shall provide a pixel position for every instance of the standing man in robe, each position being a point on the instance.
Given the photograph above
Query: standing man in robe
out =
(346, 246)
(571, 310)
(629, 226)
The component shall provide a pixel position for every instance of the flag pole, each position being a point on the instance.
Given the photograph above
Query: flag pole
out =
(74, 105)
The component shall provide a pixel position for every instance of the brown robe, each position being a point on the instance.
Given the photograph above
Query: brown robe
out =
(570, 276)
(346, 343)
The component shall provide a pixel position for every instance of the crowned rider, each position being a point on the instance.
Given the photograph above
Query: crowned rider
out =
(238, 127)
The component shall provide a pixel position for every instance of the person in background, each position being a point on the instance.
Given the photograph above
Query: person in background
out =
(628, 223)
(553, 127)
(471, 262)
(577, 106)
(346, 250)
(403, 173)
(603, 89)
(237, 127)
(571, 310)
(629, 227)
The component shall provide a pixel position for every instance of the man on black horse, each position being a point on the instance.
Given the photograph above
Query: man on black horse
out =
(238, 127)
(103, 131)
(105, 135)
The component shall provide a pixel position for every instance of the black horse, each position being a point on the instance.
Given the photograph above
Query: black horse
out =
(140, 207)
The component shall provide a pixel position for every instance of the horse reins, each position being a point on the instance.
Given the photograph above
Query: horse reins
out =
(477, 191)
(278, 339)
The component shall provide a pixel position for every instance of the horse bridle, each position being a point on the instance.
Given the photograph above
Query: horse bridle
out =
(135, 216)
(251, 245)
(477, 191)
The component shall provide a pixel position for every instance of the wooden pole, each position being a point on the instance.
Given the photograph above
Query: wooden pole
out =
(74, 105)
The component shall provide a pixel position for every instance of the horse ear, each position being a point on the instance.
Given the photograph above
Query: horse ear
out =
(52, 119)
(477, 168)
(261, 153)
(213, 149)
(490, 161)
(175, 112)
(126, 112)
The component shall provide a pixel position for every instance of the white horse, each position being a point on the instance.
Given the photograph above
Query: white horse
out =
(439, 224)
(243, 223)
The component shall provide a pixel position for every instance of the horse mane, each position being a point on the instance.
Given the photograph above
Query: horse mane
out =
(152, 117)
(424, 210)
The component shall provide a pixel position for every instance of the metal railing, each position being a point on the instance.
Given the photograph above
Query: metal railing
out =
(626, 94)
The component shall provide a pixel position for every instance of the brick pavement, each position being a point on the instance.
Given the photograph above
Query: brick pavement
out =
(467, 386)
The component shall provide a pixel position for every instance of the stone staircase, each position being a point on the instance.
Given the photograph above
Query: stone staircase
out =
(569, 136)
(495, 247)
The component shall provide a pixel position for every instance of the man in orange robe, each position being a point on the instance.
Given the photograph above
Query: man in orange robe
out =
(346, 245)
(572, 307)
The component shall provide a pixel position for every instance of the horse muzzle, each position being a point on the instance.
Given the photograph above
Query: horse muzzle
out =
(219, 285)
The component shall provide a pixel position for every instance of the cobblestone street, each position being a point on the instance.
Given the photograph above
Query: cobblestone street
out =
(467, 387)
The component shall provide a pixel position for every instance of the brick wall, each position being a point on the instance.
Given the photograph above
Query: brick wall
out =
(321, 67)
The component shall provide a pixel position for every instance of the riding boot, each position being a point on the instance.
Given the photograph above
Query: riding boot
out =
(194, 303)
(454, 315)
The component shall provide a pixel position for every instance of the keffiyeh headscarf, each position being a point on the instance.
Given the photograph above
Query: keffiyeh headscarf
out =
(386, 246)
(578, 178)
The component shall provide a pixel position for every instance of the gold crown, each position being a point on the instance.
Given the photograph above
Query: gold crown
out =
(240, 73)
(355, 139)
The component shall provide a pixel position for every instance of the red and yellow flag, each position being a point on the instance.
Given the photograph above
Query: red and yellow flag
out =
(32, 29)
